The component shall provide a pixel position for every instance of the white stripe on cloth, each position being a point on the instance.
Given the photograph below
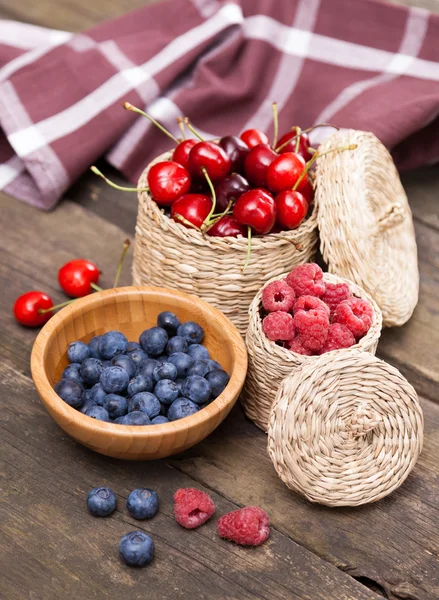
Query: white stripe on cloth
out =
(29, 37)
(10, 169)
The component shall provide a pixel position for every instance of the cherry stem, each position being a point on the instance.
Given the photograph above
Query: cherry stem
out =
(298, 132)
(212, 191)
(218, 217)
(318, 155)
(312, 150)
(305, 131)
(191, 129)
(125, 247)
(249, 247)
(96, 171)
(96, 287)
(128, 106)
(275, 124)
(181, 126)
(185, 221)
(43, 311)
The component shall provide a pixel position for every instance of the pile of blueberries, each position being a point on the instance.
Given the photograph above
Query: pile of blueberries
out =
(167, 376)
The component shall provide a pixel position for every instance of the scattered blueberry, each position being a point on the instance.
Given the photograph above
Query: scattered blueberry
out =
(146, 403)
(192, 332)
(114, 380)
(159, 420)
(137, 356)
(116, 405)
(197, 389)
(198, 352)
(136, 549)
(70, 391)
(169, 322)
(218, 381)
(111, 344)
(99, 413)
(146, 368)
(165, 371)
(200, 367)
(154, 341)
(101, 501)
(91, 370)
(137, 417)
(77, 352)
(143, 503)
(139, 383)
(181, 408)
(97, 394)
(176, 344)
(166, 391)
(93, 346)
(72, 372)
(132, 346)
(182, 362)
(126, 363)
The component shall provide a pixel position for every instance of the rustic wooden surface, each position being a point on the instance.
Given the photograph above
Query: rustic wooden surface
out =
(50, 547)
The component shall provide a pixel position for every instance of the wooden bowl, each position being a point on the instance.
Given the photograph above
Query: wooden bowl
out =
(131, 310)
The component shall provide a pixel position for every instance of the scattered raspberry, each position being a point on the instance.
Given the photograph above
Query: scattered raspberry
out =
(278, 295)
(249, 526)
(192, 507)
(278, 326)
(356, 314)
(313, 328)
(339, 337)
(334, 294)
(297, 347)
(307, 280)
(308, 303)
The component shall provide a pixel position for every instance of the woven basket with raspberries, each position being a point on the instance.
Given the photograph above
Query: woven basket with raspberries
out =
(297, 317)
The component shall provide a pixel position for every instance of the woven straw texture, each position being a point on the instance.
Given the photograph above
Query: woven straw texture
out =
(365, 223)
(170, 255)
(345, 430)
(269, 364)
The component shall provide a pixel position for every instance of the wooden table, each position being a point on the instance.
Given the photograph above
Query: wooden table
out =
(51, 548)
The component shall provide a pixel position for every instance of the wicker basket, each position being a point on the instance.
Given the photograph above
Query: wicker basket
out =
(269, 364)
(345, 430)
(169, 255)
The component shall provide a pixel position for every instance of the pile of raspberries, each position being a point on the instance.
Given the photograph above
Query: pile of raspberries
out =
(311, 317)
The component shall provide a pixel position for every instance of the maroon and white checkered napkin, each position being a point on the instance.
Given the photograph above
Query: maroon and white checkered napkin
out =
(356, 63)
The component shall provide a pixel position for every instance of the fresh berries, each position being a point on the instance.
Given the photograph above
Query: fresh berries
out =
(312, 326)
(143, 503)
(334, 294)
(136, 549)
(70, 391)
(192, 507)
(167, 181)
(77, 352)
(114, 380)
(356, 314)
(278, 295)
(339, 337)
(307, 303)
(307, 279)
(101, 501)
(112, 344)
(27, 309)
(278, 326)
(76, 277)
(249, 526)
(297, 347)
(181, 408)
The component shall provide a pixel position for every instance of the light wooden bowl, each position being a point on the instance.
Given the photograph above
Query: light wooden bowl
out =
(131, 310)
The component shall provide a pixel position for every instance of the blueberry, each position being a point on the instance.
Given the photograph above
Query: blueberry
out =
(87, 402)
(136, 549)
(72, 372)
(192, 332)
(70, 391)
(159, 420)
(101, 501)
(179, 383)
(116, 406)
(146, 403)
(114, 380)
(120, 420)
(143, 503)
(169, 322)
(139, 383)
(137, 417)
(77, 352)
(182, 407)
(218, 381)
(93, 346)
(200, 367)
(146, 368)
(126, 363)
(198, 352)
(99, 413)
(197, 389)
(91, 370)
(137, 356)
(182, 362)
(166, 391)
(176, 344)
(132, 346)
(111, 344)
(154, 341)
(165, 371)
(215, 366)
(97, 394)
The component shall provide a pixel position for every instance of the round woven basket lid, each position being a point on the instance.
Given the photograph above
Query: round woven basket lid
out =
(345, 430)
(365, 223)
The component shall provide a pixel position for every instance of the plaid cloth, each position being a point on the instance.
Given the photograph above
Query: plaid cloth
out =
(356, 63)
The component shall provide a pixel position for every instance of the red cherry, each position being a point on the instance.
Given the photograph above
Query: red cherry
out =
(256, 209)
(193, 208)
(181, 152)
(167, 181)
(27, 306)
(253, 137)
(307, 192)
(227, 226)
(291, 209)
(304, 144)
(76, 276)
(210, 156)
(283, 172)
(257, 162)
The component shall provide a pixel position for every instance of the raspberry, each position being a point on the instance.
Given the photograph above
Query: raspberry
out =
(356, 314)
(278, 295)
(313, 328)
(334, 294)
(249, 526)
(297, 347)
(307, 280)
(192, 507)
(308, 303)
(339, 337)
(278, 326)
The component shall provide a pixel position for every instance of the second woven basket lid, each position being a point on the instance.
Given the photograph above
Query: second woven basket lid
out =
(365, 223)
(345, 429)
